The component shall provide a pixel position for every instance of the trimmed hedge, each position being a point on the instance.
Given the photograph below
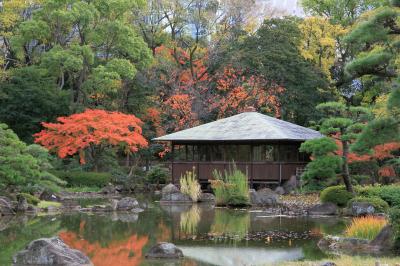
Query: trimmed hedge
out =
(390, 193)
(379, 204)
(336, 194)
(84, 179)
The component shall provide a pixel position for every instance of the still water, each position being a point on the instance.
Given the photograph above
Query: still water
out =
(207, 235)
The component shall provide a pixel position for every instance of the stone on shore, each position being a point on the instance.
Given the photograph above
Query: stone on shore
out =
(170, 193)
(127, 204)
(50, 251)
(361, 209)
(264, 197)
(323, 209)
(207, 197)
(164, 250)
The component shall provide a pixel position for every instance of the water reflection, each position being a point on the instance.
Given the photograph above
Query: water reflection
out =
(208, 236)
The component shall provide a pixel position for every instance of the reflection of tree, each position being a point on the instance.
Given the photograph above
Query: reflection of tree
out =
(190, 220)
(163, 233)
(230, 223)
(118, 252)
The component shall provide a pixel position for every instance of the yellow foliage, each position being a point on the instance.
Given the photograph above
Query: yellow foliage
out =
(367, 227)
(319, 42)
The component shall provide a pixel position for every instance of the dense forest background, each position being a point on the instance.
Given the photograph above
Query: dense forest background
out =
(177, 63)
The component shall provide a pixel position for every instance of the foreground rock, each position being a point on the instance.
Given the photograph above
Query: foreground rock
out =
(382, 243)
(6, 207)
(50, 251)
(361, 209)
(264, 197)
(323, 209)
(164, 250)
(171, 194)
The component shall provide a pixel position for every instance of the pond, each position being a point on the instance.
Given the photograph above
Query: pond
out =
(207, 235)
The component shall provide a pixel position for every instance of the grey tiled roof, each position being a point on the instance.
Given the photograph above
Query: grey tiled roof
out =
(244, 126)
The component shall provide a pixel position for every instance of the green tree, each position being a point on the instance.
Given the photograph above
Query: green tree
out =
(273, 53)
(30, 97)
(343, 124)
(325, 164)
(22, 167)
(377, 35)
(89, 47)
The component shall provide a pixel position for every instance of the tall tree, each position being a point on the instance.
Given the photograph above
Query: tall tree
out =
(273, 53)
(343, 124)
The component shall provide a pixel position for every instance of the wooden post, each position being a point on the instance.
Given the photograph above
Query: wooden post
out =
(251, 165)
(172, 162)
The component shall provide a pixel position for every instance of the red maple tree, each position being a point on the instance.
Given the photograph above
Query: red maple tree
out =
(236, 91)
(92, 131)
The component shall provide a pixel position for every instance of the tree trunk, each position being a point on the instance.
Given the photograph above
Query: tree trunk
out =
(345, 167)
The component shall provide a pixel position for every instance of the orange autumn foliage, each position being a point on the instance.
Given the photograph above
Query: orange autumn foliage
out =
(128, 252)
(75, 133)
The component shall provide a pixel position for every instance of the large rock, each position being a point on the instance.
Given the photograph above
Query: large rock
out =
(361, 209)
(263, 197)
(50, 251)
(207, 197)
(169, 189)
(384, 240)
(6, 207)
(323, 209)
(164, 250)
(127, 204)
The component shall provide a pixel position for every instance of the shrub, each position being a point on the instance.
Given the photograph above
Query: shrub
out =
(367, 227)
(190, 186)
(379, 204)
(336, 194)
(157, 175)
(390, 193)
(29, 198)
(394, 215)
(231, 188)
(84, 179)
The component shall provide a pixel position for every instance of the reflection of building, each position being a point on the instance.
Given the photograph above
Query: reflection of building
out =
(263, 147)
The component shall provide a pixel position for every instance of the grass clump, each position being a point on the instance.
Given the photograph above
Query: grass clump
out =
(336, 194)
(190, 186)
(367, 227)
(379, 204)
(230, 188)
(45, 204)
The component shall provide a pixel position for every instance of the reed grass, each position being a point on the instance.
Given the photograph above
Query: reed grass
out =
(190, 186)
(367, 227)
(231, 187)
